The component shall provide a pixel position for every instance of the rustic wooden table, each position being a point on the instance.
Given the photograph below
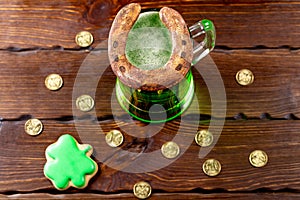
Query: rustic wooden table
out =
(263, 36)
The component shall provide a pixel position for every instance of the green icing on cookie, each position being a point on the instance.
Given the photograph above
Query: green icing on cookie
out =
(67, 163)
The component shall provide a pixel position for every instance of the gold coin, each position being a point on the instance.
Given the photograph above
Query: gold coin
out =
(142, 190)
(258, 158)
(170, 150)
(244, 77)
(54, 82)
(204, 138)
(33, 127)
(84, 39)
(211, 167)
(85, 103)
(114, 138)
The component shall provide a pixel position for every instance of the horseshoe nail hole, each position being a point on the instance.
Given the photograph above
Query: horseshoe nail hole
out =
(122, 69)
(179, 67)
(184, 42)
(183, 55)
(116, 44)
(117, 59)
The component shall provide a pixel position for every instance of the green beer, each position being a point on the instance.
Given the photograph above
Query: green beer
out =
(148, 47)
(151, 53)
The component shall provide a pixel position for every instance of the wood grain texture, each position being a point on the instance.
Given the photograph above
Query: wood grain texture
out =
(48, 24)
(38, 39)
(22, 90)
(22, 156)
(172, 196)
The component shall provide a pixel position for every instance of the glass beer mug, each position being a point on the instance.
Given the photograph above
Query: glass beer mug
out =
(151, 53)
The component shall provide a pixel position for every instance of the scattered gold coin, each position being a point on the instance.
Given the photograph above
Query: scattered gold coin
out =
(84, 39)
(204, 138)
(114, 138)
(258, 158)
(244, 77)
(211, 167)
(170, 150)
(142, 190)
(85, 103)
(33, 127)
(54, 82)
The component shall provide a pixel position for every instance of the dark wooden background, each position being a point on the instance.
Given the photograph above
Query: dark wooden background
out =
(37, 38)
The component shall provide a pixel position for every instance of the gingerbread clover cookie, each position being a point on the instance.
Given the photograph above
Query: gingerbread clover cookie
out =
(69, 163)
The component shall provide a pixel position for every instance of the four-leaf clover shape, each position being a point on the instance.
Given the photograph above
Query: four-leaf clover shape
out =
(69, 163)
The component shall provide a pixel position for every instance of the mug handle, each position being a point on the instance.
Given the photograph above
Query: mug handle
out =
(203, 48)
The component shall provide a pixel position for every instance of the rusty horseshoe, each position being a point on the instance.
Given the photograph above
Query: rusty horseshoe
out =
(157, 79)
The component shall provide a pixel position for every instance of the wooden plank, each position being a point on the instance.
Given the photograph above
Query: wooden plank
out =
(275, 90)
(22, 156)
(48, 24)
(245, 196)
